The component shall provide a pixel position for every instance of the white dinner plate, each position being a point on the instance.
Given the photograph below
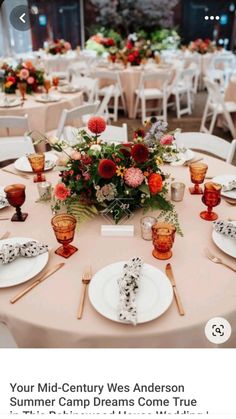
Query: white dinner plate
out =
(3, 201)
(226, 244)
(223, 180)
(10, 103)
(48, 99)
(183, 157)
(154, 296)
(22, 164)
(21, 269)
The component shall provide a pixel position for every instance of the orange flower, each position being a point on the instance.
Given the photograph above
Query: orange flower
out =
(155, 183)
(61, 191)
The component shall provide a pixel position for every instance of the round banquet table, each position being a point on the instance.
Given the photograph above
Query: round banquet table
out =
(43, 117)
(46, 317)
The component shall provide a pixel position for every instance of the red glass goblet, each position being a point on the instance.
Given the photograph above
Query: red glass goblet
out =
(16, 197)
(211, 198)
(163, 236)
(55, 81)
(64, 229)
(22, 86)
(37, 163)
(198, 173)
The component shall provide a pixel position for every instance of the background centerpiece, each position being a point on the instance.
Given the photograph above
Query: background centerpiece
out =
(119, 178)
(25, 72)
(59, 46)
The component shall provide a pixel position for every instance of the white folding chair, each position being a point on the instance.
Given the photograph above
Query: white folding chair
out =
(216, 105)
(69, 115)
(87, 84)
(113, 134)
(143, 93)
(6, 338)
(103, 107)
(114, 78)
(12, 147)
(209, 143)
(182, 87)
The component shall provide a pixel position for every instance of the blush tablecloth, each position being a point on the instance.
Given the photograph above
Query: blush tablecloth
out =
(46, 317)
(43, 117)
(230, 95)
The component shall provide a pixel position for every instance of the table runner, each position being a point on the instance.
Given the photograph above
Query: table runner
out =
(46, 317)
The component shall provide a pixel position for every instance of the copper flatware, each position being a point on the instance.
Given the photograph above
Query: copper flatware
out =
(187, 163)
(233, 202)
(171, 277)
(38, 281)
(4, 219)
(5, 235)
(231, 219)
(86, 278)
(16, 174)
(216, 259)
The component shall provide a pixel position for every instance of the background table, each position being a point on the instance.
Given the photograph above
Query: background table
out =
(43, 117)
(46, 317)
(230, 95)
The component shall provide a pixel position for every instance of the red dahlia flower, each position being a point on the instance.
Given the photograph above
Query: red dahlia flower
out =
(106, 168)
(126, 149)
(155, 183)
(96, 124)
(139, 153)
(139, 133)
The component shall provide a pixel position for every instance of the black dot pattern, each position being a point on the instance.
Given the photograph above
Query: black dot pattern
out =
(228, 229)
(9, 252)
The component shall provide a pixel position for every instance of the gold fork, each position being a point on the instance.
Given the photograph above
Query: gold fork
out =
(5, 235)
(230, 202)
(86, 278)
(216, 259)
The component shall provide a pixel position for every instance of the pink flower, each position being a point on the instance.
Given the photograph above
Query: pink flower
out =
(67, 46)
(24, 74)
(167, 139)
(30, 80)
(133, 177)
(61, 191)
(86, 176)
(75, 155)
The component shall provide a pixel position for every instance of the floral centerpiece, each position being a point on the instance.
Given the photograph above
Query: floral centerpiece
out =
(98, 177)
(24, 72)
(59, 46)
(135, 51)
(202, 46)
(100, 43)
(165, 39)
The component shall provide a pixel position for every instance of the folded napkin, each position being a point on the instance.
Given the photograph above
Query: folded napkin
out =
(3, 201)
(128, 287)
(9, 252)
(229, 186)
(228, 229)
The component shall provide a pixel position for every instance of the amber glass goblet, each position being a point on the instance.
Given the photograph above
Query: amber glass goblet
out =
(22, 86)
(163, 236)
(55, 82)
(47, 85)
(64, 229)
(211, 198)
(198, 173)
(16, 197)
(37, 163)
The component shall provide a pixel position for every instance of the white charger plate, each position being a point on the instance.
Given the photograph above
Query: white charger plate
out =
(11, 103)
(3, 203)
(184, 157)
(21, 269)
(22, 164)
(226, 244)
(154, 296)
(68, 89)
(223, 180)
(49, 99)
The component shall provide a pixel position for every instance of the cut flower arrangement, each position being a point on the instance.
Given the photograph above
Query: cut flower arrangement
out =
(94, 174)
(59, 46)
(25, 72)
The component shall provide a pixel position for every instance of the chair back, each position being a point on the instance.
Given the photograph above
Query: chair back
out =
(75, 114)
(15, 147)
(19, 122)
(103, 108)
(208, 143)
(113, 134)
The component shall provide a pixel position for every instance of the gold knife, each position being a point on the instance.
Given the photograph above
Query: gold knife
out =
(188, 162)
(38, 281)
(22, 175)
(170, 275)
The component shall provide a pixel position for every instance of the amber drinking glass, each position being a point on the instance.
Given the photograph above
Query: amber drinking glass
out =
(55, 81)
(198, 173)
(47, 85)
(211, 198)
(37, 162)
(16, 197)
(64, 229)
(22, 86)
(163, 236)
